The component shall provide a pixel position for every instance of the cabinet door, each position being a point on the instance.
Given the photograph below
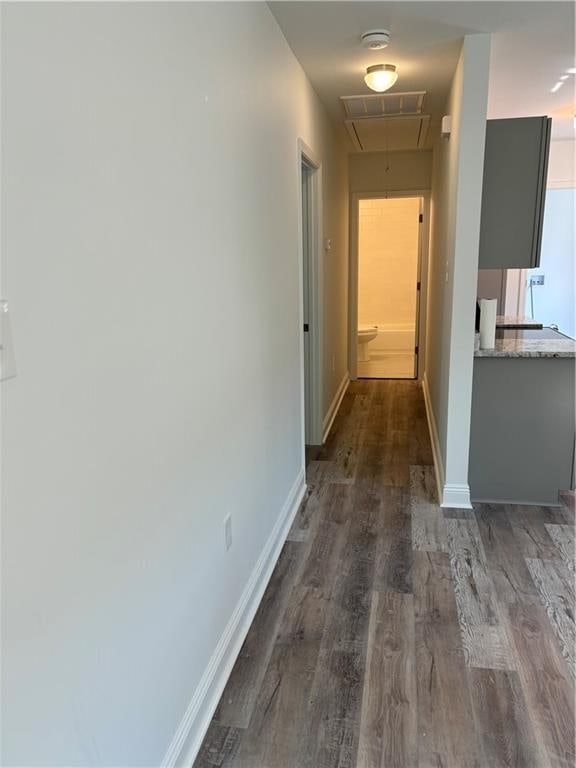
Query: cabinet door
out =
(513, 193)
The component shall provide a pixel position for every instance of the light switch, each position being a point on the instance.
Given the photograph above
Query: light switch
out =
(7, 361)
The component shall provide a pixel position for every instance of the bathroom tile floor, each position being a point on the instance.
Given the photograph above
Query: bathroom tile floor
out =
(385, 365)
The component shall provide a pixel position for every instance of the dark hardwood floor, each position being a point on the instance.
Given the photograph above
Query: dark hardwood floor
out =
(396, 634)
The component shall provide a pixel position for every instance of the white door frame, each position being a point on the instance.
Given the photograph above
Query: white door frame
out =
(422, 278)
(307, 157)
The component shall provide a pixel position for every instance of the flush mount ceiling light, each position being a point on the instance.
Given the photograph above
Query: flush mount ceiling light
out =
(380, 77)
(375, 39)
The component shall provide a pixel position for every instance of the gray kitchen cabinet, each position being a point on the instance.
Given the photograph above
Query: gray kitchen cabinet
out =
(522, 430)
(513, 193)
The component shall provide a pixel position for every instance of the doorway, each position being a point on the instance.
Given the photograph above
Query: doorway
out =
(385, 294)
(310, 188)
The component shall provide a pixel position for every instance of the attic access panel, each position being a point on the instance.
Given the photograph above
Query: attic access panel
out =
(383, 104)
(380, 134)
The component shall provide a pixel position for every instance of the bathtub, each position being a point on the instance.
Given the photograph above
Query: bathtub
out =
(394, 339)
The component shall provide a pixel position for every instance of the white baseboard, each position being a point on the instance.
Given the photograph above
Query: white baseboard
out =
(456, 495)
(334, 406)
(192, 729)
(449, 494)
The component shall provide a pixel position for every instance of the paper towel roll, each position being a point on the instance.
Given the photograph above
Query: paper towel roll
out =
(488, 323)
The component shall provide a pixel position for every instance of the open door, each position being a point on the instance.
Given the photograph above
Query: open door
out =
(310, 189)
(387, 289)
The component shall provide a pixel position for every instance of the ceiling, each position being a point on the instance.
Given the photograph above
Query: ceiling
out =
(532, 45)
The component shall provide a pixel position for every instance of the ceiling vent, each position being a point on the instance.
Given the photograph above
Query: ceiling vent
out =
(386, 121)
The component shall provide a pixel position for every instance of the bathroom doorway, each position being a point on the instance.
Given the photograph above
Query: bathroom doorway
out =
(386, 278)
(310, 211)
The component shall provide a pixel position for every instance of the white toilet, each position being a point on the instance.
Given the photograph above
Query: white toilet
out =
(366, 334)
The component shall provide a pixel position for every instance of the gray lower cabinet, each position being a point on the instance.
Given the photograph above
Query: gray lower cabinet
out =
(513, 193)
(522, 430)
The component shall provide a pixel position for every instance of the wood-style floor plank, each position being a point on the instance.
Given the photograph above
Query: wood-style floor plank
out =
(331, 732)
(350, 599)
(428, 522)
(323, 556)
(529, 526)
(556, 587)
(419, 446)
(330, 735)
(237, 702)
(307, 513)
(388, 730)
(568, 499)
(274, 732)
(343, 453)
(446, 735)
(502, 720)
(393, 572)
(564, 541)
(483, 636)
(507, 566)
(219, 747)
(547, 685)
(451, 513)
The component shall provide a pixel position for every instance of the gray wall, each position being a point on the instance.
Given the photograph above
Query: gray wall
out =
(150, 254)
(492, 285)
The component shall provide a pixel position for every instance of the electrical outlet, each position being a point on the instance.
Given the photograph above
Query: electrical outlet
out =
(228, 532)
(536, 280)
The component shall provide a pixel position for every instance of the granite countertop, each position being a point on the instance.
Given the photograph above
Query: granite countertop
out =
(510, 321)
(530, 343)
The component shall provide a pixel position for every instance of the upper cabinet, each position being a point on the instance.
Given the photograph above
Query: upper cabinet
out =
(513, 193)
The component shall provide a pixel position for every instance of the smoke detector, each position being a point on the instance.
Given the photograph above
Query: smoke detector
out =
(375, 39)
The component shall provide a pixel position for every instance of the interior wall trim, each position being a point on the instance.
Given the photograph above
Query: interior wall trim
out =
(456, 495)
(438, 465)
(191, 731)
(334, 406)
(520, 503)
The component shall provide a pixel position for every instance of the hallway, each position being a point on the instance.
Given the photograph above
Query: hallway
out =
(396, 633)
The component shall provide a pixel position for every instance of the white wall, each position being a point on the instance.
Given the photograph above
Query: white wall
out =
(149, 209)
(554, 302)
(335, 209)
(562, 164)
(383, 171)
(388, 262)
(455, 228)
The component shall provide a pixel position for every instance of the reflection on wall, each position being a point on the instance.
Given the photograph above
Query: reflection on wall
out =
(387, 275)
(554, 301)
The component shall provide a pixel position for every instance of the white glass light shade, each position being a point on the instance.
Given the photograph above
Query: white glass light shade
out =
(380, 77)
